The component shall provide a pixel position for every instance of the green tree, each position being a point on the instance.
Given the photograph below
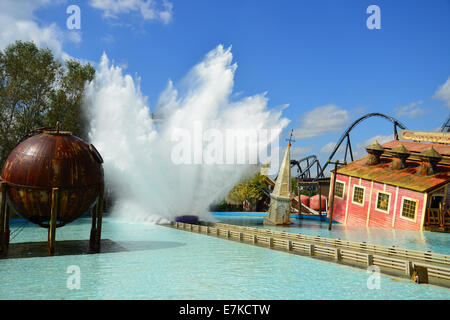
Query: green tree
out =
(294, 186)
(36, 90)
(27, 81)
(66, 101)
(249, 189)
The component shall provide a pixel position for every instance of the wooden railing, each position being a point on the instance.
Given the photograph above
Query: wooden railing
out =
(423, 256)
(437, 217)
(350, 252)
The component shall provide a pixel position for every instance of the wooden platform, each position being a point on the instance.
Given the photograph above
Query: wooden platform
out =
(437, 229)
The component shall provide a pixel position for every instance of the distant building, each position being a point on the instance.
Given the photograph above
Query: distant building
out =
(400, 185)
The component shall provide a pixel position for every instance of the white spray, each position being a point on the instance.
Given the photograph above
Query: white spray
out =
(138, 151)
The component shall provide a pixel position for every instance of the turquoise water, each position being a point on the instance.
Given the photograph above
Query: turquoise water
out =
(417, 240)
(165, 263)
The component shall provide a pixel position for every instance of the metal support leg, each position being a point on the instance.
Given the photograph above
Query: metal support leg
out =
(6, 231)
(93, 237)
(100, 215)
(2, 213)
(4, 219)
(52, 226)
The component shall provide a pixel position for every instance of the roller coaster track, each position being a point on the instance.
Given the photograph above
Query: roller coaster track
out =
(446, 126)
(306, 172)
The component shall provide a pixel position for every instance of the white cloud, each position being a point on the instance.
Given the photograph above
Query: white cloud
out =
(300, 152)
(17, 22)
(411, 110)
(443, 92)
(328, 148)
(322, 120)
(360, 150)
(148, 9)
(107, 39)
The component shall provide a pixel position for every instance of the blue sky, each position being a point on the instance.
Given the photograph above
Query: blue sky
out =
(317, 56)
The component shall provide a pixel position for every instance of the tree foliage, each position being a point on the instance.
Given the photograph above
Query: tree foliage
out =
(249, 189)
(37, 90)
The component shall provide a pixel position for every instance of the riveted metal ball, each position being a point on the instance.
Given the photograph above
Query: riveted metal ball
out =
(53, 159)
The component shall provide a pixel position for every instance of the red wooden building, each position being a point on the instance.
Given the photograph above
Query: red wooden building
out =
(400, 185)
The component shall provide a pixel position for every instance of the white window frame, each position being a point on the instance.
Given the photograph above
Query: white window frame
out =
(364, 195)
(343, 190)
(389, 203)
(415, 213)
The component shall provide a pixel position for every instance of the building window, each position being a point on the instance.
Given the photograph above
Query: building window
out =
(358, 194)
(339, 190)
(409, 209)
(383, 200)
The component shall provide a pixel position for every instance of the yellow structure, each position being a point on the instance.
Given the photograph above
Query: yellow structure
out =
(280, 198)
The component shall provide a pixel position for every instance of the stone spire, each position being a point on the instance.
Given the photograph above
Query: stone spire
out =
(283, 184)
(280, 198)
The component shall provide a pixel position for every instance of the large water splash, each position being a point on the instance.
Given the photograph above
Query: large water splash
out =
(138, 151)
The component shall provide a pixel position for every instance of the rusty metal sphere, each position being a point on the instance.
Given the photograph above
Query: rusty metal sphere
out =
(53, 159)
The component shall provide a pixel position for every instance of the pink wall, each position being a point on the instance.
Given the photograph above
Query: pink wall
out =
(357, 214)
(339, 205)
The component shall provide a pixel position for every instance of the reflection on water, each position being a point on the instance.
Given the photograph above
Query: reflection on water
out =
(415, 240)
(78, 247)
(157, 262)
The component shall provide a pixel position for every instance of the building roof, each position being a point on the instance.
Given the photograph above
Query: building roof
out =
(375, 146)
(417, 147)
(400, 149)
(430, 153)
(405, 178)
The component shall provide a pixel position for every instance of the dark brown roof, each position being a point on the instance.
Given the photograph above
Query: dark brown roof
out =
(406, 178)
(417, 147)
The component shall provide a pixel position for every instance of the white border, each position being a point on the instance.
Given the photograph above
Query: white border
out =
(364, 195)
(389, 202)
(415, 214)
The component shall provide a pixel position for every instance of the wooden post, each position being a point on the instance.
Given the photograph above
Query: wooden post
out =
(332, 195)
(52, 225)
(298, 198)
(311, 249)
(369, 259)
(441, 216)
(320, 200)
(408, 268)
(289, 245)
(337, 254)
(93, 237)
(99, 215)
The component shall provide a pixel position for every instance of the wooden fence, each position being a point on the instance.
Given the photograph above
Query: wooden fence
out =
(423, 256)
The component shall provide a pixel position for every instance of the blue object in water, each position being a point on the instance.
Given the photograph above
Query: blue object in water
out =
(187, 219)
